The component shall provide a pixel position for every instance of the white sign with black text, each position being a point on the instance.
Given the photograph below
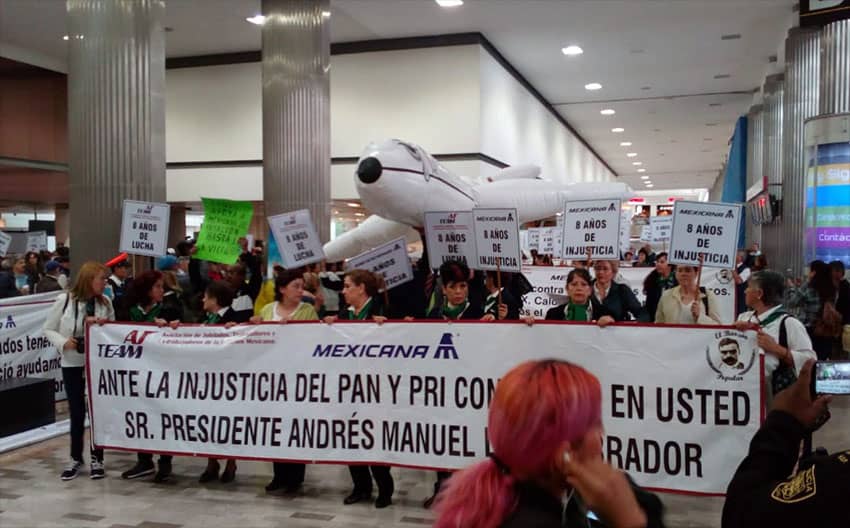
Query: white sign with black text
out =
(296, 238)
(547, 240)
(497, 239)
(661, 227)
(37, 241)
(390, 261)
(5, 242)
(705, 228)
(592, 225)
(534, 238)
(450, 237)
(144, 228)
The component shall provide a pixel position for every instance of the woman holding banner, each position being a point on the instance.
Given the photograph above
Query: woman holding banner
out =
(145, 302)
(65, 327)
(617, 298)
(360, 289)
(545, 426)
(581, 305)
(686, 303)
(287, 306)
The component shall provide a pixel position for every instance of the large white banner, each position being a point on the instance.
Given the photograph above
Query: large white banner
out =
(24, 351)
(416, 394)
(550, 283)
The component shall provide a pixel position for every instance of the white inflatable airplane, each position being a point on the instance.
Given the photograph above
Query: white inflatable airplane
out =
(399, 182)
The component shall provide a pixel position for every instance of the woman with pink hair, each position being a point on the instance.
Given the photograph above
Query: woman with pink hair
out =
(546, 469)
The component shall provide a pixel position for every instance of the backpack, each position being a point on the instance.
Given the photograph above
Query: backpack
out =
(830, 322)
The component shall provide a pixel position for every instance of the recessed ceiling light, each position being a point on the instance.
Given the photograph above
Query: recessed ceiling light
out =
(632, 154)
(637, 163)
(626, 144)
(593, 86)
(65, 37)
(257, 20)
(572, 51)
(643, 170)
(643, 177)
(722, 76)
(326, 14)
(650, 186)
(607, 111)
(352, 204)
(359, 214)
(449, 3)
(618, 130)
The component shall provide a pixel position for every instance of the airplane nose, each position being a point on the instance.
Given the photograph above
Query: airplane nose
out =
(369, 170)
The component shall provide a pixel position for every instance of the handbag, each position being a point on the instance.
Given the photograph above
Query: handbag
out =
(785, 375)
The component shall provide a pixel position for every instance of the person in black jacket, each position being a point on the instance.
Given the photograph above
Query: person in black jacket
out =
(581, 305)
(456, 306)
(245, 293)
(144, 300)
(659, 280)
(546, 469)
(842, 302)
(617, 298)
(218, 297)
(360, 289)
(510, 306)
(762, 494)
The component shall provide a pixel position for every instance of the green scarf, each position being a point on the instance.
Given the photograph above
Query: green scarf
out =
(362, 314)
(212, 318)
(138, 315)
(666, 283)
(773, 317)
(577, 312)
(454, 312)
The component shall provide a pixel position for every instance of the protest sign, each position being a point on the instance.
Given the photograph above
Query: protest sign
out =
(497, 239)
(390, 261)
(549, 289)
(5, 242)
(37, 241)
(534, 238)
(225, 222)
(661, 227)
(592, 225)
(547, 240)
(705, 228)
(296, 238)
(144, 228)
(450, 236)
(646, 233)
(417, 394)
(24, 351)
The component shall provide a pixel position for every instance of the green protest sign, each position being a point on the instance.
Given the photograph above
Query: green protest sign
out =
(225, 221)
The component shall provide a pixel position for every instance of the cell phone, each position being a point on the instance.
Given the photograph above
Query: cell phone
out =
(831, 377)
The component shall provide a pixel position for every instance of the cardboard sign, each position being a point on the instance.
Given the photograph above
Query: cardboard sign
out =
(592, 225)
(5, 242)
(707, 228)
(390, 261)
(450, 236)
(497, 239)
(296, 238)
(533, 238)
(661, 227)
(144, 228)
(225, 222)
(37, 241)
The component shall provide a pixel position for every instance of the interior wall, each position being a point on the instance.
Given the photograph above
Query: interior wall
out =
(34, 118)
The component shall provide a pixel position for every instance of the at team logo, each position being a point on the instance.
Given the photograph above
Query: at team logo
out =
(730, 356)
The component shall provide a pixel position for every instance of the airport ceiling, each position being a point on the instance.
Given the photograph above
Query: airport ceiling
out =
(677, 73)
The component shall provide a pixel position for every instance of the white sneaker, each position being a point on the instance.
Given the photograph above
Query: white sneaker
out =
(97, 470)
(72, 470)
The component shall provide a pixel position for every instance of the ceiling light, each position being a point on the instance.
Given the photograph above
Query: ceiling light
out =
(625, 143)
(572, 51)
(618, 130)
(637, 163)
(593, 86)
(650, 186)
(352, 204)
(631, 155)
(643, 177)
(359, 214)
(65, 37)
(647, 182)
(607, 111)
(449, 3)
(643, 170)
(326, 14)
(257, 20)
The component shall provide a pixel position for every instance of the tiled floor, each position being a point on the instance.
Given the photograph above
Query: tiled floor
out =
(31, 494)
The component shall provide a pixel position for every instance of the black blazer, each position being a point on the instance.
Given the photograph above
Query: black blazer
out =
(622, 303)
(599, 310)
(473, 313)
(514, 306)
(231, 316)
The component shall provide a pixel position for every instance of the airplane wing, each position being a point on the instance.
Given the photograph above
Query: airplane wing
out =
(371, 233)
(537, 199)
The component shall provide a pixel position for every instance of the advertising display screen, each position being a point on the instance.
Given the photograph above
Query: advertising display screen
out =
(828, 202)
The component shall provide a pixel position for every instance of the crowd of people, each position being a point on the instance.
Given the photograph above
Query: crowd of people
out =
(796, 321)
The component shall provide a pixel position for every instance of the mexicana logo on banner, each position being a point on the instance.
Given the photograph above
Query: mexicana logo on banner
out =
(444, 350)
